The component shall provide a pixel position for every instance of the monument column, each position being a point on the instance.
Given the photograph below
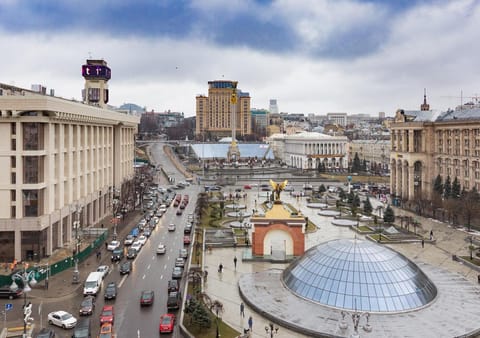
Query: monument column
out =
(233, 151)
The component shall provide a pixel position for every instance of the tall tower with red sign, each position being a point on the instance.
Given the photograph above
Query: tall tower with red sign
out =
(96, 75)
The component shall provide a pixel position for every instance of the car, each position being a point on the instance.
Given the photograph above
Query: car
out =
(82, 329)
(183, 253)
(142, 239)
(126, 268)
(107, 315)
(307, 186)
(62, 319)
(171, 227)
(332, 189)
(117, 255)
(131, 253)
(106, 331)
(147, 233)
(179, 212)
(177, 272)
(174, 300)
(104, 269)
(110, 291)
(187, 229)
(186, 240)
(46, 333)
(136, 246)
(167, 323)
(173, 285)
(147, 297)
(161, 249)
(180, 262)
(247, 187)
(113, 245)
(129, 240)
(87, 306)
(7, 292)
(289, 188)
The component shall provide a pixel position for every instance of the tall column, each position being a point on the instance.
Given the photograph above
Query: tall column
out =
(410, 183)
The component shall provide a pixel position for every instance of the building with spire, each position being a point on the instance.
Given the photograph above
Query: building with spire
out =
(424, 106)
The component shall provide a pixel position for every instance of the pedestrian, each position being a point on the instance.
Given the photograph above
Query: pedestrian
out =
(431, 234)
(102, 225)
(250, 323)
(220, 267)
(46, 283)
(235, 262)
(242, 310)
(106, 245)
(205, 274)
(423, 243)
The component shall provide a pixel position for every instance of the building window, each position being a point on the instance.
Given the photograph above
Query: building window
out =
(13, 211)
(14, 144)
(13, 196)
(13, 178)
(30, 203)
(32, 136)
(13, 162)
(32, 169)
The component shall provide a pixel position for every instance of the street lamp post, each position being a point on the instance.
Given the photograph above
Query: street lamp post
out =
(271, 329)
(76, 226)
(28, 279)
(356, 316)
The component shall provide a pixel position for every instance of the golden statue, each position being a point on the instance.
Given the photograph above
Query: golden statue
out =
(278, 188)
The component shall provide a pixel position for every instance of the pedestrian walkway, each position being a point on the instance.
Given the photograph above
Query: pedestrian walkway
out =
(224, 286)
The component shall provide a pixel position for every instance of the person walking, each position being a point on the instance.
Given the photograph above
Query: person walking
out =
(220, 267)
(250, 323)
(423, 243)
(235, 262)
(242, 309)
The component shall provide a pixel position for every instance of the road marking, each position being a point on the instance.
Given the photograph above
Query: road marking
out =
(144, 276)
(148, 267)
(122, 280)
(165, 267)
(161, 276)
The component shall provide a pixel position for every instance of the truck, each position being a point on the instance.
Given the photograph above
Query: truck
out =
(93, 283)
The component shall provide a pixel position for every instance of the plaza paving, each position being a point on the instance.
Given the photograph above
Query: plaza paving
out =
(453, 313)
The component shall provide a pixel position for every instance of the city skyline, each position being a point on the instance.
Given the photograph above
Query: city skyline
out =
(312, 56)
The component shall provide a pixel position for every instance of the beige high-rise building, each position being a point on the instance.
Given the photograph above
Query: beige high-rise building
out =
(214, 112)
(428, 143)
(61, 161)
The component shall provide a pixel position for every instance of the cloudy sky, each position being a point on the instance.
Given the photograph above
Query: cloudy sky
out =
(313, 56)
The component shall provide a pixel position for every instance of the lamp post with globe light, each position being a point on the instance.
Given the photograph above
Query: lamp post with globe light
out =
(28, 279)
(271, 329)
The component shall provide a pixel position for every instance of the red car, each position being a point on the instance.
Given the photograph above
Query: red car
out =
(247, 187)
(186, 240)
(107, 314)
(167, 322)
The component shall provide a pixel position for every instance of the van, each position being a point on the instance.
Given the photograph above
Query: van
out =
(93, 284)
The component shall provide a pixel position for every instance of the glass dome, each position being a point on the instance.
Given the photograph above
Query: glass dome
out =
(359, 275)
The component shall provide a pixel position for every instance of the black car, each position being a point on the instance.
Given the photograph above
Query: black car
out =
(174, 300)
(125, 268)
(82, 329)
(46, 333)
(111, 291)
(117, 255)
(6, 292)
(172, 285)
(87, 306)
(147, 297)
(131, 253)
(187, 229)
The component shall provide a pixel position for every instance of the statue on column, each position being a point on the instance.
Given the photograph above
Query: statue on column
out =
(278, 188)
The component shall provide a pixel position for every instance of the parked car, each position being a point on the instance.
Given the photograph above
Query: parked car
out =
(187, 229)
(172, 285)
(247, 186)
(104, 269)
(167, 323)
(174, 300)
(107, 315)
(62, 319)
(113, 245)
(87, 306)
(183, 253)
(111, 291)
(147, 297)
(161, 249)
(186, 240)
(180, 262)
(126, 268)
(177, 272)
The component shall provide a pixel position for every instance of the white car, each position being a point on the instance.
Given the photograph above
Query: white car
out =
(113, 245)
(142, 239)
(104, 269)
(171, 227)
(136, 246)
(161, 249)
(129, 240)
(62, 319)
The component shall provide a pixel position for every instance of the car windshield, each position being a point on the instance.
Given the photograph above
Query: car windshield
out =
(166, 320)
(147, 295)
(107, 313)
(66, 316)
(87, 302)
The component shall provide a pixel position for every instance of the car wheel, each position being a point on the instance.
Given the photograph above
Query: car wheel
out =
(10, 297)
(64, 326)
(50, 322)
